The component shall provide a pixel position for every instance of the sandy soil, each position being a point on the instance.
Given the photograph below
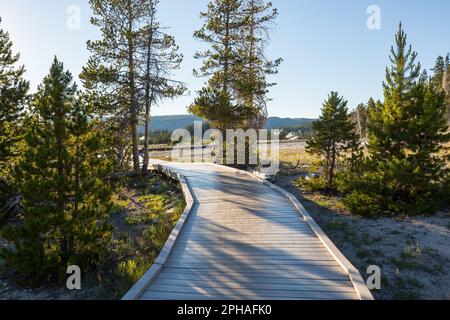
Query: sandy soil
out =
(9, 291)
(413, 253)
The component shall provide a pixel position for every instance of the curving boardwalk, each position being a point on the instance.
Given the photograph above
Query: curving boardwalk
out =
(245, 239)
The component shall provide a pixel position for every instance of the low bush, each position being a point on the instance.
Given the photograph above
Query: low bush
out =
(314, 184)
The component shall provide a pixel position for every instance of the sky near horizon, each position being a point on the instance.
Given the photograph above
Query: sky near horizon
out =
(326, 45)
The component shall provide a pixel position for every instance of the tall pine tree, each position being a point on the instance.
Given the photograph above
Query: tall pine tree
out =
(113, 66)
(251, 83)
(61, 179)
(222, 30)
(223, 23)
(236, 63)
(401, 79)
(160, 57)
(405, 173)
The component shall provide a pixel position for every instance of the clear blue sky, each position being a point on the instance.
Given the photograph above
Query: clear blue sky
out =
(325, 44)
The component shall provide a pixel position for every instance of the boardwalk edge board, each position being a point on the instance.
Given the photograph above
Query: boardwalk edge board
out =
(139, 288)
(355, 277)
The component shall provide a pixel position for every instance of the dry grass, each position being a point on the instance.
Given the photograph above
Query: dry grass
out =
(294, 156)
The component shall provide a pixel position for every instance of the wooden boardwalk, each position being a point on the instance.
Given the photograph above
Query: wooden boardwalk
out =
(244, 239)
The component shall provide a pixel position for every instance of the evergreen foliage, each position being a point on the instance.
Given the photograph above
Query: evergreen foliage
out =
(405, 172)
(251, 73)
(13, 97)
(62, 180)
(160, 58)
(132, 65)
(235, 63)
(113, 67)
(334, 134)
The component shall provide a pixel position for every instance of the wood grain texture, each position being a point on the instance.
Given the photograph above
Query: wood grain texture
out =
(244, 239)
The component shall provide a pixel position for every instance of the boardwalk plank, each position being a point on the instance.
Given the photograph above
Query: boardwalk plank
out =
(163, 284)
(255, 279)
(333, 273)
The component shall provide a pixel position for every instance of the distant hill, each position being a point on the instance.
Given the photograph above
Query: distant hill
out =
(278, 123)
(171, 123)
(182, 121)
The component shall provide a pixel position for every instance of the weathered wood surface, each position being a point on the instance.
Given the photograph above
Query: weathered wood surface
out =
(243, 239)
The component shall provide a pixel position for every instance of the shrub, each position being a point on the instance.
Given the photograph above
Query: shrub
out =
(391, 188)
(315, 184)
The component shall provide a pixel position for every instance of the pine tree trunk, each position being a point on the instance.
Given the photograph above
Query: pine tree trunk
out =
(332, 165)
(252, 55)
(226, 50)
(251, 98)
(131, 78)
(59, 133)
(148, 100)
(147, 134)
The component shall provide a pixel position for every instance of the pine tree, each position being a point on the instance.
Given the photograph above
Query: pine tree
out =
(113, 66)
(251, 83)
(13, 97)
(335, 133)
(61, 179)
(223, 23)
(235, 62)
(222, 31)
(160, 58)
(404, 173)
(401, 78)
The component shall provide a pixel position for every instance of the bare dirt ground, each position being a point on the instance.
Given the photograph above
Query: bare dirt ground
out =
(413, 253)
(10, 291)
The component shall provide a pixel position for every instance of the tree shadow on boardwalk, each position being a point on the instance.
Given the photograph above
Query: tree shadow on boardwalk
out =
(245, 241)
